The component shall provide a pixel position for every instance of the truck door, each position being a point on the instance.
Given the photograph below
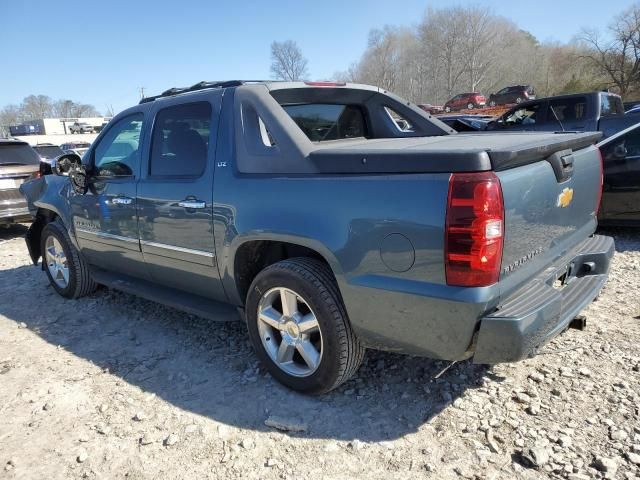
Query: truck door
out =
(175, 195)
(621, 191)
(105, 217)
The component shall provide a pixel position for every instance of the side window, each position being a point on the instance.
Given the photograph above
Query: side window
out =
(324, 121)
(624, 147)
(524, 116)
(568, 110)
(610, 105)
(503, 91)
(180, 140)
(118, 154)
(401, 123)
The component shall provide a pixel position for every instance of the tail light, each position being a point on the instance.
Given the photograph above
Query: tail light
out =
(601, 182)
(474, 230)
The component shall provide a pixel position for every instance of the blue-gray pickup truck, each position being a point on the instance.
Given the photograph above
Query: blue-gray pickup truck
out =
(334, 218)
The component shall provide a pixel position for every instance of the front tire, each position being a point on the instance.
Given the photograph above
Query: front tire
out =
(299, 327)
(67, 271)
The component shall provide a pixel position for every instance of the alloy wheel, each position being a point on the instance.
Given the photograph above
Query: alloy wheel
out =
(56, 262)
(290, 332)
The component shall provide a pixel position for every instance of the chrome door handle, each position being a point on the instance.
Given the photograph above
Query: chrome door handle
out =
(192, 204)
(121, 200)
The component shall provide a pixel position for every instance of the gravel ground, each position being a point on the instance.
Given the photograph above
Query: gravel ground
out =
(112, 386)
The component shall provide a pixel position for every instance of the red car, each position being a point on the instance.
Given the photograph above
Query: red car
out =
(427, 107)
(463, 101)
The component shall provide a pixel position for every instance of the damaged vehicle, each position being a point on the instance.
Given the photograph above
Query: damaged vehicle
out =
(331, 218)
(18, 163)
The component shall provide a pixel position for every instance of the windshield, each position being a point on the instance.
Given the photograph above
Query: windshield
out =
(48, 151)
(323, 121)
(20, 153)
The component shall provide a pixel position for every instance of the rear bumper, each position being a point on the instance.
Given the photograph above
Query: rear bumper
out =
(537, 312)
(14, 214)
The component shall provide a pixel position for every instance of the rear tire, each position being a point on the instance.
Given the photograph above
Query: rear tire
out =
(294, 307)
(67, 271)
(470, 106)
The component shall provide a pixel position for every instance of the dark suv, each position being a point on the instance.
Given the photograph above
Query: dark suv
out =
(514, 94)
(18, 162)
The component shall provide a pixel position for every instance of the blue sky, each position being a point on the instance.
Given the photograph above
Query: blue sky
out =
(102, 52)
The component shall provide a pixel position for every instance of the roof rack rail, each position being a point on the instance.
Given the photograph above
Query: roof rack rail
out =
(201, 86)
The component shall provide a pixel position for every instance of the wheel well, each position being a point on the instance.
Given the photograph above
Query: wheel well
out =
(253, 257)
(43, 216)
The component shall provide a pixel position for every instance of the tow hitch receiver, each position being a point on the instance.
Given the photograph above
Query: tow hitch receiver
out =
(579, 323)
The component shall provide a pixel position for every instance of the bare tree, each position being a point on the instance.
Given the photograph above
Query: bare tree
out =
(287, 61)
(84, 110)
(63, 108)
(619, 57)
(37, 106)
(440, 34)
(478, 43)
(460, 49)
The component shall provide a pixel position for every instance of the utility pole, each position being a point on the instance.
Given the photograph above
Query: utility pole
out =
(141, 93)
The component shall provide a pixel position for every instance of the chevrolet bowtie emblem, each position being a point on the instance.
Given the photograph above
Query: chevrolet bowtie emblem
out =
(565, 197)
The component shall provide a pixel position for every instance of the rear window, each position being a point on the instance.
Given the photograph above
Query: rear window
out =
(20, 154)
(49, 151)
(611, 105)
(568, 109)
(323, 121)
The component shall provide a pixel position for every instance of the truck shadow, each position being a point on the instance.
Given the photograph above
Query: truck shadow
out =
(209, 368)
(11, 231)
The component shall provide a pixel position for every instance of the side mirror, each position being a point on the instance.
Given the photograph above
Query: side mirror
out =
(63, 164)
(70, 165)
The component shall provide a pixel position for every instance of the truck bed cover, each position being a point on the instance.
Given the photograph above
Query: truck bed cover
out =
(446, 154)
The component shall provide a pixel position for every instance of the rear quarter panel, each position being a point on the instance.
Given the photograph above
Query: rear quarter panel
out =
(348, 220)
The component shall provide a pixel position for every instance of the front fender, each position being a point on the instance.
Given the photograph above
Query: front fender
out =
(47, 198)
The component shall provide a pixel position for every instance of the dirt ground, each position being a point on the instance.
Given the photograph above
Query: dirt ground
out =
(112, 386)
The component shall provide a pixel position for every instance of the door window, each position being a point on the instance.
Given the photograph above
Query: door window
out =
(625, 147)
(118, 154)
(180, 141)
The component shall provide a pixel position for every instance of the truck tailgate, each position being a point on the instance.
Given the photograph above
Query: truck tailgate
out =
(547, 212)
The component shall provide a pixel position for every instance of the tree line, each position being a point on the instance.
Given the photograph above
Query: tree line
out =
(34, 107)
(471, 49)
